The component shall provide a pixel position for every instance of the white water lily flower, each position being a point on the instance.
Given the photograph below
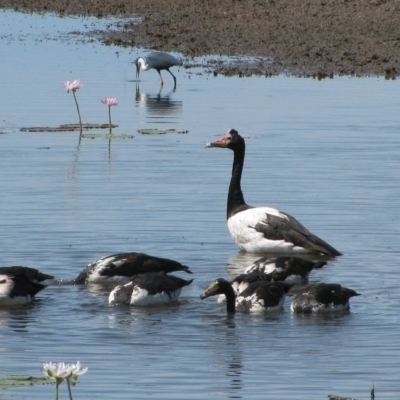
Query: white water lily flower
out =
(58, 371)
(75, 371)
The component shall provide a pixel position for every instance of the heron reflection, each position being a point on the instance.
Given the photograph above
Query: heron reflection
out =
(158, 104)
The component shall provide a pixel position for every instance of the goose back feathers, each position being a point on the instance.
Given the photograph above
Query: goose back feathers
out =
(323, 297)
(118, 268)
(285, 268)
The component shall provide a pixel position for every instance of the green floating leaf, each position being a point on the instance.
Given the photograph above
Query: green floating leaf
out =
(160, 131)
(67, 127)
(19, 381)
(102, 136)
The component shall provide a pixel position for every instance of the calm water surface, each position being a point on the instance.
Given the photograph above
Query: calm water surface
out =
(325, 151)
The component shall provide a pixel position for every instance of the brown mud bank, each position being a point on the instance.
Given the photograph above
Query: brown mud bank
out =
(300, 37)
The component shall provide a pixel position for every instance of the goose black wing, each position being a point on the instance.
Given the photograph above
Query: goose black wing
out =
(290, 230)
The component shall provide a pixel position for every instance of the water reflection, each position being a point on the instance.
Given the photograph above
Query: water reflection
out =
(158, 105)
(226, 348)
(97, 290)
(330, 319)
(239, 262)
(18, 317)
(233, 359)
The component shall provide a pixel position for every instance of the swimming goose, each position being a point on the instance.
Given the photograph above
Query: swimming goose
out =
(291, 270)
(258, 296)
(242, 281)
(282, 268)
(120, 267)
(263, 229)
(19, 285)
(322, 297)
(149, 289)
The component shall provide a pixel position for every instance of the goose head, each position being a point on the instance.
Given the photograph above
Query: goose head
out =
(230, 140)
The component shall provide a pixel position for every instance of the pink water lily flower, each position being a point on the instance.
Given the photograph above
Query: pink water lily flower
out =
(110, 101)
(72, 86)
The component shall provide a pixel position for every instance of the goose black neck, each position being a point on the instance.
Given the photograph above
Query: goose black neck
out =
(235, 195)
(230, 299)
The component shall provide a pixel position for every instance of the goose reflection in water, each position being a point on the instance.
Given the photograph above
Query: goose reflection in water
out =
(18, 319)
(159, 104)
(226, 352)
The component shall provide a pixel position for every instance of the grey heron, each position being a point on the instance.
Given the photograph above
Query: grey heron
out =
(157, 60)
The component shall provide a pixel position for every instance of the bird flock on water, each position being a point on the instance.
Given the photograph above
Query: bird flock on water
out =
(290, 253)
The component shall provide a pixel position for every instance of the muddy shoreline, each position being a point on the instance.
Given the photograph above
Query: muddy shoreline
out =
(304, 38)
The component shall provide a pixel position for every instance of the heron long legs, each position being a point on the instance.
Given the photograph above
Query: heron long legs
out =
(159, 73)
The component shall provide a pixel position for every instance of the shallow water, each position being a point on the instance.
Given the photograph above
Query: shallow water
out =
(325, 151)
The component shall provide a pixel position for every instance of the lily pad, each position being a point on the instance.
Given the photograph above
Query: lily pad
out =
(67, 128)
(102, 136)
(19, 381)
(48, 129)
(160, 131)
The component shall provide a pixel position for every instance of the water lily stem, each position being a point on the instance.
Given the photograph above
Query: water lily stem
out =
(79, 113)
(57, 385)
(69, 390)
(109, 117)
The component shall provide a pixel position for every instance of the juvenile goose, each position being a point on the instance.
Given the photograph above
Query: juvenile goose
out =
(263, 229)
(19, 285)
(291, 270)
(258, 296)
(282, 268)
(121, 267)
(157, 60)
(242, 281)
(322, 297)
(149, 289)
